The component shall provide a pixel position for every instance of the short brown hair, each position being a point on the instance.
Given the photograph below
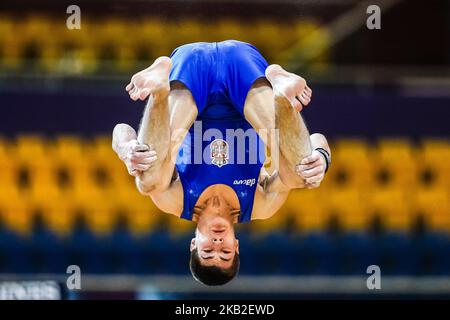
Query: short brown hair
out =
(212, 275)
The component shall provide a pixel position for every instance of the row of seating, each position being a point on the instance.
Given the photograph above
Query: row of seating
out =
(32, 159)
(158, 252)
(121, 42)
(68, 177)
(305, 210)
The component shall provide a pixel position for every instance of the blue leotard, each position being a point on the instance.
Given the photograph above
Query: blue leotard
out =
(221, 147)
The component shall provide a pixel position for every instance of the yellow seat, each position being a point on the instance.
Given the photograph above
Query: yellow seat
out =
(45, 196)
(395, 163)
(15, 210)
(350, 207)
(38, 33)
(307, 210)
(13, 42)
(394, 206)
(79, 48)
(6, 26)
(267, 36)
(69, 151)
(120, 179)
(102, 154)
(36, 27)
(111, 36)
(142, 222)
(434, 159)
(31, 151)
(352, 164)
(99, 211)
(8, 165)
(123, 182)
(97, 166)
(311, 42)
(18, 219)
(43, 176)
(434, 205)
(101, 222)
(187, 31)
(8, 177)
(37, 162)
(60, 218)
(154, 38)
(51, 55)
(131, 200)
(142, 213)
(84, 192)
(228, 29)
(11, 197)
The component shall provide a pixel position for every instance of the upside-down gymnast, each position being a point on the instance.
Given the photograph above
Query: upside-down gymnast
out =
(226, 86)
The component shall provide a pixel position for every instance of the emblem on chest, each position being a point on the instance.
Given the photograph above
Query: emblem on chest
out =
(219, 152)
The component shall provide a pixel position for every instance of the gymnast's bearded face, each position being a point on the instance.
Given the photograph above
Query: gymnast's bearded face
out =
(215, 239)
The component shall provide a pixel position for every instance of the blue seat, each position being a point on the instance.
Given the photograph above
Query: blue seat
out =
(157, 250)
(86, 250)
(47, 252)
(353, 253)
(14, 253)
(271, 253)
(394, 254)
(313, 254)
(432, 251)
(121, 252)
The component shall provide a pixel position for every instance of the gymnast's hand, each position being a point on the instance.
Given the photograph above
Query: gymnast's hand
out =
(312, 169)
(138, 157)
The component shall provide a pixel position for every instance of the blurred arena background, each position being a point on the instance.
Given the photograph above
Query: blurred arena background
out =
(381, 96)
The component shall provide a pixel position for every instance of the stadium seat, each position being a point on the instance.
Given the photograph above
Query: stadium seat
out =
(11, 197)
(228, 29)
(350, 207)
(187, 31)
(44, 195)
(434, 159)
(60, 219)
(434, 205)
(307, 210)
(352, 164)
(8, 165)
(393, 205)
(105, 169)
(395, 164)
(69, 151)
(30, 151)
(152, 40)
(104, 43)
(17, 217)
(142, 214)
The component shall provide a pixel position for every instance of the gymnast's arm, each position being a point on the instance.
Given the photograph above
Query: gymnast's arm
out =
(138, 157)
(271, 193)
